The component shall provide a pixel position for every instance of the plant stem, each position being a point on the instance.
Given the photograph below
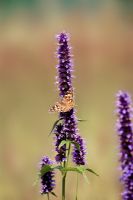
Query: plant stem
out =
(77, 188)
(65, 174)
(48, 196)
(64, 186)
(69, 149)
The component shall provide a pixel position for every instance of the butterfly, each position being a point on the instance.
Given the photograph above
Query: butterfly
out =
(65, 104)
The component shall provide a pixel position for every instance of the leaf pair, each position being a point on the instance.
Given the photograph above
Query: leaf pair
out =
(79, 169)
(67, 142)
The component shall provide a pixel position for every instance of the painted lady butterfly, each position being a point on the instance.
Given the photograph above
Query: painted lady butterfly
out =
(65, 105)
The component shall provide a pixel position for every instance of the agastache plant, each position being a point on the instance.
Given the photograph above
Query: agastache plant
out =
(68, 142)
(125, 132)
(69, 128)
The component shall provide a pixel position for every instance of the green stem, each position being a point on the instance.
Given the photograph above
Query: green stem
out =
(64, 187)
(68, 155)
(48, 196)
(65, 174)
(77, 188)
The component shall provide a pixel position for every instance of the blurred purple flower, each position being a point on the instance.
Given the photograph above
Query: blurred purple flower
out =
(68, 129)
(47, 180)
(125, 132)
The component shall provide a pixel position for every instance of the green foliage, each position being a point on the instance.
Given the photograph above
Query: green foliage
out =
(67, 142)
(64, 169)
(59, 120)
(79, 169)
(54, 125)
(53, 194)
(90, 170)
(82, 120)
(45, 169)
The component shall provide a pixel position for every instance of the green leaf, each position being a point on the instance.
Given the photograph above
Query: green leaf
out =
(53, 194)
(82, 120)
(77, 145)
(71, 169)
(81, 168)
(58, 167)
(48, 168)
(56, 122)
(90, 170)
(63, 142)
(45, 169)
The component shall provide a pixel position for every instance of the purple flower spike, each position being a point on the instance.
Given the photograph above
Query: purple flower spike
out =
(79, 155)
(64, 66)
(47, 181)
(68, 129)
(125, 132)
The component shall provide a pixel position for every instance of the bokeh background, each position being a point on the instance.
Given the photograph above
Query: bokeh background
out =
(102, 39)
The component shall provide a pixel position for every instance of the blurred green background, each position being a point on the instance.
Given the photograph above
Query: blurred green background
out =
(102, 40)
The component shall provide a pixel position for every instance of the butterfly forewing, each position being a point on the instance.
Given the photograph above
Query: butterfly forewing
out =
(66, 103)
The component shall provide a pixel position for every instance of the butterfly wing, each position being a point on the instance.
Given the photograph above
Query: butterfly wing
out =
(66, 103)
(56, 107)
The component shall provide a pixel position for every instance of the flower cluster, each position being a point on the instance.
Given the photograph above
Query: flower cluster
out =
(79, 156)
(67, 130)
(47, 180)
(125, 132)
